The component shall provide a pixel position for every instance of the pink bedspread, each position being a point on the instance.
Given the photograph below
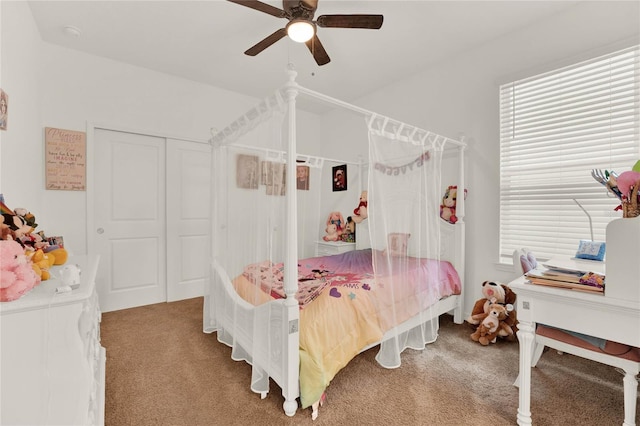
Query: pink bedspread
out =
(351, 307)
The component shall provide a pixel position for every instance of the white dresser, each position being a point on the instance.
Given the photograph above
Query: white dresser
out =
(51, 362)
(328, 248)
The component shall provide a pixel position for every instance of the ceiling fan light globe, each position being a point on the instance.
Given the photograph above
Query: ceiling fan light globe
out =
(300, 31)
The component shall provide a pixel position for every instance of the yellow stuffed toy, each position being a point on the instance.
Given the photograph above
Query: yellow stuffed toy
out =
(42, 262)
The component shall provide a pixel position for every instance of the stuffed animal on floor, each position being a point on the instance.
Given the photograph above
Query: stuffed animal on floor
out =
(360, 212)
(17, 276)
(448, 206)
(495, 293)
(493, 325)
(491, 293)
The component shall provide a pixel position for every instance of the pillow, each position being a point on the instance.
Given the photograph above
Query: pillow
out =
(397, 244)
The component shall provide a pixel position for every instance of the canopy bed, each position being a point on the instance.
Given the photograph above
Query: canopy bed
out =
(299, 317)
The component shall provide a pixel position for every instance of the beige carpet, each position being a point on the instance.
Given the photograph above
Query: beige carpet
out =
(162, 370)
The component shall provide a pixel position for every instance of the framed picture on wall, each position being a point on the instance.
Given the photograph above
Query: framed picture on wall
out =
(4, 109)
(340, 178)
(65, 159)
(302, 178)
(274, 177)
(247, 171)
(397, 243)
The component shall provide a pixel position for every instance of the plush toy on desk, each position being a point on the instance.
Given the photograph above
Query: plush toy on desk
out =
(26, 216)
(495, 293)
(493, 325)
(17, 276)
(335, 226)
(448, 206)
(35, 242)
(5, 232)
(626, 181)
(360, 212)
(349, 234)
(17, 226)
(42, 263)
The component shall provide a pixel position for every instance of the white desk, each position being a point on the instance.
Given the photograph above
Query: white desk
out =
(592, 314)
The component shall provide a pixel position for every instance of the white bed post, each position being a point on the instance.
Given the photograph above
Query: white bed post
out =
(460, 234)
(292, 352)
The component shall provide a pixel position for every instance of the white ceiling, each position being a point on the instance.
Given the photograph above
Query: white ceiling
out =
(204, 41)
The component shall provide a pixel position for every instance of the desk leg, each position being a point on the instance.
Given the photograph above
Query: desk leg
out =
(526, 338)
(630, 392)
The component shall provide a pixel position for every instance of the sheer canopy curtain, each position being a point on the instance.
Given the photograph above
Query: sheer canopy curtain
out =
(404, 187)
(250, 267)
(250, 238)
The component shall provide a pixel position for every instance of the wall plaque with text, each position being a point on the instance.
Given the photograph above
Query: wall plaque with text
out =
(65, 159)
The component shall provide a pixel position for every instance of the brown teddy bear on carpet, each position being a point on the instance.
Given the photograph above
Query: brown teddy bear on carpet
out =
(496, 293)
(493, 325)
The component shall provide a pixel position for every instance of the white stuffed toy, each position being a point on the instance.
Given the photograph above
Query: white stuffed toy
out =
(335, 226)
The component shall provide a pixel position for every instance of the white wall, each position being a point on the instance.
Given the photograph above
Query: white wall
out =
(78, 89)
(50, 86)
(21, 166)
(460, 97)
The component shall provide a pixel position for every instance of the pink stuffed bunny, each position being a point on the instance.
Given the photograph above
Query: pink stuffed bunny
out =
(17, 276)
(626, 181)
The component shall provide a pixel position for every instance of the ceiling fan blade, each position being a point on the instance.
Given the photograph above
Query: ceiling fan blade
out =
(262, 7)
(266, 42)
(373, 22)
(317, 50)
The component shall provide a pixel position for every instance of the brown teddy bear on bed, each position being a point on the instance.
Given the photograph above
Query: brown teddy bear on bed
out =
(495, 293)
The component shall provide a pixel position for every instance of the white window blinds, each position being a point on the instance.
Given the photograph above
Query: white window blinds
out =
(554, 129)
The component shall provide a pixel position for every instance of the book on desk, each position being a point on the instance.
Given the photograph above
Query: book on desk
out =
(570, 273)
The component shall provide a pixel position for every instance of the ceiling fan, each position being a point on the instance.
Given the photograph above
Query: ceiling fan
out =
(301, 26)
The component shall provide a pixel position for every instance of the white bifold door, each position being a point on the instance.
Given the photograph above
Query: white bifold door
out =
(151, 218)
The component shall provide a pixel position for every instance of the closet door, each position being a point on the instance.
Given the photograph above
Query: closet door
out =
(188, 218)
(129, 219)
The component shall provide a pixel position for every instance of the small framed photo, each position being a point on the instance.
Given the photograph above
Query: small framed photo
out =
(397, 244)
(4, 109)
(302, 178)
(340, 178)
(274, 177)
(247, 171)
(56, 241)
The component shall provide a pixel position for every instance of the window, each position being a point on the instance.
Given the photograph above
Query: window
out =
(554, 129)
